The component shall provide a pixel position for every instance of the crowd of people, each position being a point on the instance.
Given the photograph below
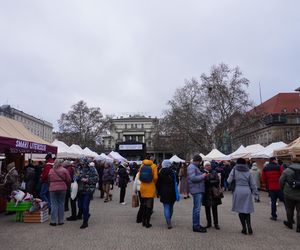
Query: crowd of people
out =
(204, 181)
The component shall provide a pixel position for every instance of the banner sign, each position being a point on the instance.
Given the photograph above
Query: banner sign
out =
(131, 147)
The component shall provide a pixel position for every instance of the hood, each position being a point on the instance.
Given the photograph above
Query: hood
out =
(10, 166)
(242, 167)
(295, 166)
(147, 162)
(166, 164)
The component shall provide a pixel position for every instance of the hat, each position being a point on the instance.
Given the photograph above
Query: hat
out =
(92, 164)
(48, 156)
(166, 164)
(206, 163)
(197, 158)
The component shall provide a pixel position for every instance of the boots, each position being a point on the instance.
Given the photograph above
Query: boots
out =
(243, 222)
(248, 223)
(147, 217)
(169, 224)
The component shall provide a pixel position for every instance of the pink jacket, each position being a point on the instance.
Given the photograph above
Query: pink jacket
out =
(59, 179)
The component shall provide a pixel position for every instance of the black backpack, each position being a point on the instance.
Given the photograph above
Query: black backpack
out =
(146, 174)
(295, 184)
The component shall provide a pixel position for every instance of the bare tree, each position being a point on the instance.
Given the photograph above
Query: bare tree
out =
(202, 113)
(83, 125)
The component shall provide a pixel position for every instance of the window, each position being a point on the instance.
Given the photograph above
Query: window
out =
(125, 126)
(131, 125)
(135, 125)
(142, 126)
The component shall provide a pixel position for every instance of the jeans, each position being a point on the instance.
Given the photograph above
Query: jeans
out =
(45, 196)
(197, 200)
(168, 211)
(274, 195)
(84, 205)
(58, 206)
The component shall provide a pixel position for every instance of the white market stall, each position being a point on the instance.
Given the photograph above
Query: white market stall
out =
(268, 151)
(246, 153)
(103, 157)
(116, 156)
(216, 155)
(78, 150)
(176, 159)
(89, 152)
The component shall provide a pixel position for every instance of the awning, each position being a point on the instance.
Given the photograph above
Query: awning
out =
(15, 138)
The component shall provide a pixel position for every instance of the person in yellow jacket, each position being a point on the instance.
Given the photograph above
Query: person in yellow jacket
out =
(148, 177)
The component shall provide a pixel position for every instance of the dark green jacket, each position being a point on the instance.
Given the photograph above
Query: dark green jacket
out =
(287, 177)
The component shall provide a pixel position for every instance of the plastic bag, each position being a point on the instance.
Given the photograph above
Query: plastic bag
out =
(74, 190)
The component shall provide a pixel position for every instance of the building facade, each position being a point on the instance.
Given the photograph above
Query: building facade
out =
(277, 119)
(36, 126)
(134, 137)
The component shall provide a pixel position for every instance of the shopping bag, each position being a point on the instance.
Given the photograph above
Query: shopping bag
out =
(135, 201)
(74, 190)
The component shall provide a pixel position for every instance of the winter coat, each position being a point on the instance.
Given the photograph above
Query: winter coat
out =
(108, 174)
(11, 179)
(92, 176)
(148, 189)
(287, 177)
(256, 175)
(49, 164)
(270, 175)
(137, 183)
(212, 180)
(100, 174)
(166, 185)
(183, 184)
(242, 200)
(195, 180)
(123, 177)
(59, 179)
(30, 179)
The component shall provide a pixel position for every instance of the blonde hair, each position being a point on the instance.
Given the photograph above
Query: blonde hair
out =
(57, 163)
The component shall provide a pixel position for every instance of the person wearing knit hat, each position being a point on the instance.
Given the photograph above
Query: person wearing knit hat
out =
(166, 189)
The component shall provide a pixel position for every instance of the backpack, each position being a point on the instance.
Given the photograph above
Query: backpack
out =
(295, 184)
(146, 174)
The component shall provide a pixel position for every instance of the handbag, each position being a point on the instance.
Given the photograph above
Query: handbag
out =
(231, 186)
(217, 192)
(135, 201)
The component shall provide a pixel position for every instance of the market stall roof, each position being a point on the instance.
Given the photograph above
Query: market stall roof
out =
(216, 155)
(116, 156)
(240, 150)
(268, 151)
(78, 150)
(251, 149)
(90, 153)
(175, 158)
(103, 157)
(15, 138)
(291, 150)
(202, 155)
(64, 151)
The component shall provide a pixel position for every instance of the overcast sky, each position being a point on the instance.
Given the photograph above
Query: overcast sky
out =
(130, 56)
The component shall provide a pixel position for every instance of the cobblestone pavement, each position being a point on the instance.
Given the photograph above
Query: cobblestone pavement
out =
(112, 226)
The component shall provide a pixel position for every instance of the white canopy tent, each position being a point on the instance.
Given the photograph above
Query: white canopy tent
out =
(90, 153)
(78, 150)
(268, 151)
(103, 157)
(176, 159)
(202, 155)
(116, 156)
(63, 150)
(246, 153)
(216, 155)
(240, 150)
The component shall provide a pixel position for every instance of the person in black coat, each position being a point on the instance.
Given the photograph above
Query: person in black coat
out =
(123, 180)
(99, 168)
(209, 201)
(166, 189)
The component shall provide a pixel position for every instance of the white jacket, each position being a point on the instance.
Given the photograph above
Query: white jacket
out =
(137, 183)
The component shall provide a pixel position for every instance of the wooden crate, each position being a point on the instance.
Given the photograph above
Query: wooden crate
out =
(36, 217)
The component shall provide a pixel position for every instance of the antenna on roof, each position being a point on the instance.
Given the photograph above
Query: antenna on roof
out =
(260, 93)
